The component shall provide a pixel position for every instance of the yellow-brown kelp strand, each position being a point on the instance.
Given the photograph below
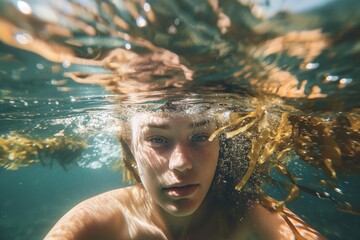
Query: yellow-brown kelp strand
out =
(17, 150)
(270, 136)
(330, 143)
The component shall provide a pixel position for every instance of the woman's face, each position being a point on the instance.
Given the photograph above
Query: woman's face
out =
(175, 160)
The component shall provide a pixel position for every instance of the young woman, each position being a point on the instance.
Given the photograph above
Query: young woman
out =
(185, 190)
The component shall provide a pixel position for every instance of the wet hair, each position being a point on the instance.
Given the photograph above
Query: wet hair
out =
(127, 162)
(232, 165)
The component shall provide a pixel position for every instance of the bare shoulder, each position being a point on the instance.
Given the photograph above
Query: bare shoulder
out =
(104, 215)
(284, 225)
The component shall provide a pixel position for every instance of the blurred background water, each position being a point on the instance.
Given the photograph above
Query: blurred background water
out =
(66, 67)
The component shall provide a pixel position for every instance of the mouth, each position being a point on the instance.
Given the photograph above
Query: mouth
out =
(181, 191)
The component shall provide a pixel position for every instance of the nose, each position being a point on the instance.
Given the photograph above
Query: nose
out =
(181, 158)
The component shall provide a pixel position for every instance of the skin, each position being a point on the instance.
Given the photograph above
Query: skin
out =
(176, 164)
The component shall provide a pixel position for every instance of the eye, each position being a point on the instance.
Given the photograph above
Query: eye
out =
(200, 138)
(157, 141)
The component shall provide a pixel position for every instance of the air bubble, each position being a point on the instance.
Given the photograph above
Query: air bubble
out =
(345, 81)
(95, 165)
(90, 50)
(40, 66)
(128, 46)
(331, 78)
(66, 63)
(24, 7)
(338, 190)
(172, 29)
(141, 22)
(311, 66)
(147, 7)
(23, 38)
(58, 82)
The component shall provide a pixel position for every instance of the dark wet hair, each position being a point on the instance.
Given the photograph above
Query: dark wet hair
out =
(232, 165)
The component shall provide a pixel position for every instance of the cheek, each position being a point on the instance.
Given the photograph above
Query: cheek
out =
(208, 157)
(212, 152)
(215, 149)
(149, 163)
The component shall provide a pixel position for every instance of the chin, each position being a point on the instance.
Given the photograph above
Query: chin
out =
(182, 208)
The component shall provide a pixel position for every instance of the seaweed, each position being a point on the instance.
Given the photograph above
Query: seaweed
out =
(18, 150)
(330, 144)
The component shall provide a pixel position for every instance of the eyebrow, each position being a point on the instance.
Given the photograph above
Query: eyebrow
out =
(200, 124)
(167, 126)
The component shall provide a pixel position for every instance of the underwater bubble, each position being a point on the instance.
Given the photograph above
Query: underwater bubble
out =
(24, 7)
(95, 165)
(128, 46)
(147, 7)
(311, 66)
(338, 190)
(345, 81)
(58, 82)
(23, 38)
(331, 78)
(66, 63)
(172, 30)
(90, 50)
(141, 22)
(40, 66)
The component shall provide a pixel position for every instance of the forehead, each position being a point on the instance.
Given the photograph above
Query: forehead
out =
(170, 120)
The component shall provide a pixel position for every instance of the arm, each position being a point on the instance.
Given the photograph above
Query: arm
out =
(95, 218)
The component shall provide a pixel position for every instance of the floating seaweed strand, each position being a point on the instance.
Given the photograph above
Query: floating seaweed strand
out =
(17, 151)
(329, 144)
(268, 142)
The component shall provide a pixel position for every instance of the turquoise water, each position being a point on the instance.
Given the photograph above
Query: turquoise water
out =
(70, 68)
(33, 199)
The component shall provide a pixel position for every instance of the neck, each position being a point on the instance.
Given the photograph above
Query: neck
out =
(179, 227)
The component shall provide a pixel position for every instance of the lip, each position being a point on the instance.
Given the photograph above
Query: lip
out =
(181, 191)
